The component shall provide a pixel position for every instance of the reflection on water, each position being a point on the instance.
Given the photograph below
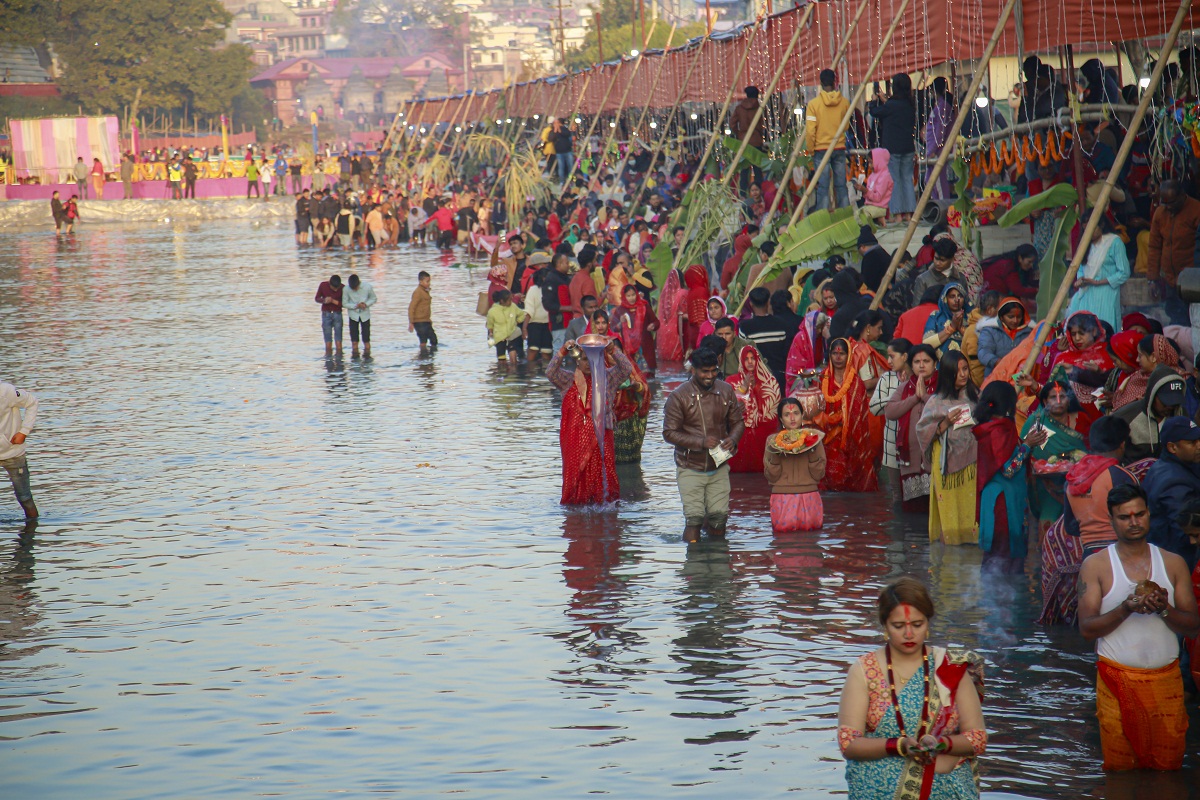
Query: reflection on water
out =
(264, 572)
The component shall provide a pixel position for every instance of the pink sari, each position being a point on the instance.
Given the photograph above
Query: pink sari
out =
(807, 351)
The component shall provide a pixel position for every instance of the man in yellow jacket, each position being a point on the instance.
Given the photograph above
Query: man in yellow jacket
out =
(823, 116)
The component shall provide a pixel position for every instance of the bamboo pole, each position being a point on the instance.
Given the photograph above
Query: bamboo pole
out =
(512, 148)
(662, 138)
(1106, 191)
(450, 125)
(646, 108)
(858, 96)
(595, 119)
(951, 137)
(798, 145)
(717, 129)
(762, 107)
(552, 111)
(456, 148)
(579, 100)
(416, 134)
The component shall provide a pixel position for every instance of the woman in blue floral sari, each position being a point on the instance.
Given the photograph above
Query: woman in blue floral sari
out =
(909, 726)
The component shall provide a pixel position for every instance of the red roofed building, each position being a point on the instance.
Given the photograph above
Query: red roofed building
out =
(285, 83)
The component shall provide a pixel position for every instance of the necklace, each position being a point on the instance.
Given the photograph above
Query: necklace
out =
(896, 700)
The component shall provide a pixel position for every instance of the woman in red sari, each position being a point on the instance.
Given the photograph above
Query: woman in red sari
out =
(1086, 362)
(755, 386)
(851, 467)
(694, 311)
(670, 343)
(589, 469)
(633, 321)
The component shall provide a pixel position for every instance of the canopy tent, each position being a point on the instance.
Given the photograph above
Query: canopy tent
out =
(931, 32)
(48, 148)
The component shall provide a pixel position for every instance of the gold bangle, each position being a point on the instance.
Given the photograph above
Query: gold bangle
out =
(902, 747)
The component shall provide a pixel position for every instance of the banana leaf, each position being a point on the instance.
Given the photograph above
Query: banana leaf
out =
(752, 156)
(660, 260)
(1053, 266)
(817, 235)
(1057, 196)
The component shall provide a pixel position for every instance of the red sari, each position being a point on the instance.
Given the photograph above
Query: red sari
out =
(670, 345)
(695, 278)
(851, 467)
(585, 473)
(760, 410)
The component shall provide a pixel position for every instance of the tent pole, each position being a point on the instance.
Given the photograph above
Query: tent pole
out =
(662, 67)
(799, 143)
(662, 139)
(595, 118)
(1106, 191)
(717, 128)
(951, 140)
(612, 135)
(849, 115)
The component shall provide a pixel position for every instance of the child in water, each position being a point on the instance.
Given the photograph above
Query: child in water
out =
(507, 326)
(794, 470)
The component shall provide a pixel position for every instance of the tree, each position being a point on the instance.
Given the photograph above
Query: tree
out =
(154, 52)
(27, 22)
(616, 41)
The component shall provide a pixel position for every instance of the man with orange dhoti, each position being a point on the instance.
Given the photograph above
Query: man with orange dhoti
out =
(1134, 598)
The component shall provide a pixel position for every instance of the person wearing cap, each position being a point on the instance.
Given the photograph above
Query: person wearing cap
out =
(1171, 483)
(18, 413)
(1163, 399)
(875, 259)
(329, 295)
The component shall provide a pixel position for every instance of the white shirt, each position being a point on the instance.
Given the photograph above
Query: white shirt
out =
(12, 400)
(1142, 641)
(351, 299)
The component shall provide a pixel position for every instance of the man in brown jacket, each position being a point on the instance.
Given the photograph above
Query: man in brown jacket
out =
(739, 124)
(1173, 245)
(699, 416)
(420, 311)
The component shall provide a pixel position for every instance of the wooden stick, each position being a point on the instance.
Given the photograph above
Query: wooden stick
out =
(717, 129)
(798, 145)
(1101, 204)
(662, 138)
(849, 115)
(951, 137)
(646, 108)
(462, 106)
(456, 149)
(595, 119)
(762, 107)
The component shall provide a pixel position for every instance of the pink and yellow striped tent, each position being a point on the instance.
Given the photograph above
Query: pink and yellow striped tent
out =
(47, 148)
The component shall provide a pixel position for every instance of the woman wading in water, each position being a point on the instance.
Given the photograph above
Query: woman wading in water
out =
(909, 726)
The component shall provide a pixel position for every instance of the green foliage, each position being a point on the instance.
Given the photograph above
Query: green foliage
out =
(621, 38)
(166, 48)
(1053, 267)
(17, 107)
(964, 203)
(818, 235)
(707, 211)
(1057, 196)
(27, 22)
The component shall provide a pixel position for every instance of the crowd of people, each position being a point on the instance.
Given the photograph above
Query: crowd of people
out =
(1072, 439)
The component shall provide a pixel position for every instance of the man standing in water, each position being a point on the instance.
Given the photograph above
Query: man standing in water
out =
(329, 295)
(700, 416)
(1134, 598)
(13, 430)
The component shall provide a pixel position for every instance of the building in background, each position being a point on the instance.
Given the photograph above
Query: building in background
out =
(349, 87)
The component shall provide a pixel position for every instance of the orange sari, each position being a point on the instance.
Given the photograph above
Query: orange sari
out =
(862, 354)
(851, 467)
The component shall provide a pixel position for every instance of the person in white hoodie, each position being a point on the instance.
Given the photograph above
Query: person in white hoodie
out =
(14, 428)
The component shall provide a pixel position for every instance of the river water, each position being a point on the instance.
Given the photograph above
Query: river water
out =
(262, 573)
